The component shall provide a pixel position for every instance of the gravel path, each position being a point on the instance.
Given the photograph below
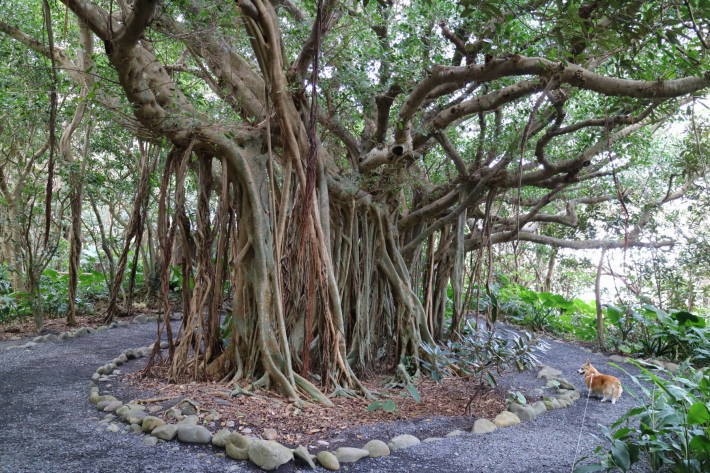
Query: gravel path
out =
(49, 426)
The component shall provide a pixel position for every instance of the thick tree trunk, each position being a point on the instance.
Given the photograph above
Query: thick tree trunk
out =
(14, 259)
(547, 287)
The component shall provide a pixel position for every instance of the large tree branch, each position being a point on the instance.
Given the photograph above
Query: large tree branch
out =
(236, 80)
(484, 103)
(298, 69)
(564, 73)
(384, 104)
(503, 237)
(630, 239)
(95, 17)
(136, 23)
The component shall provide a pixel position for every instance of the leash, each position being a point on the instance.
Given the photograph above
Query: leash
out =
(581, 427)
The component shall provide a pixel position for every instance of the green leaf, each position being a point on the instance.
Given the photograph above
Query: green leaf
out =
(491, 379)
(373, 406)
(620, 455)
(553, 300)
(50, 273)
(686, 318)
(589, 468)
(613, 313)
(655, 312)
(700, 443)
(389, 406)
(698, 413)
(414, 393)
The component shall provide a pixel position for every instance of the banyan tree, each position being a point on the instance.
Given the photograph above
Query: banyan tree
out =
(334, 166)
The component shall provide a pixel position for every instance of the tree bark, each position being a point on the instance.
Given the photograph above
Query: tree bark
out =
(598, 299)
(547, 287)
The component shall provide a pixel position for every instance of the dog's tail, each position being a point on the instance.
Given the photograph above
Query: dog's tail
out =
(618, 390)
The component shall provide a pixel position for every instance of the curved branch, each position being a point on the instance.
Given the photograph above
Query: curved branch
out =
(235, 77)
(572, 244)
(452, 153)
(485, 103)
(136, 23)
(517, 65)
(384, 103)
(96, 18)
(339, 131)
(298, 69)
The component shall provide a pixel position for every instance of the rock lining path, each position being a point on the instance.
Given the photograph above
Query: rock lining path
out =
(45, 425)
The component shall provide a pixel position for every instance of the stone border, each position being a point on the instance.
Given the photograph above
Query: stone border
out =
(82, 331)
(565, 396)
(266, 454)
(658, 364)
(269, 454)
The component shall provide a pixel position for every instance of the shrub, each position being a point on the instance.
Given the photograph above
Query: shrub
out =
(547, 312)
(651, 332)
(53, 295)
(645, 331)
(482, 354)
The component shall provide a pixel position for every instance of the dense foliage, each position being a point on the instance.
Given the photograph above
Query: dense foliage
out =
(483, 354)
(651, 332)
(640, 330)
(53, 295)
(669, 431)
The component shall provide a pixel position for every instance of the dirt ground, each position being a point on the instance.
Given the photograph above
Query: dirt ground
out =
(307, 424)
(25, 326)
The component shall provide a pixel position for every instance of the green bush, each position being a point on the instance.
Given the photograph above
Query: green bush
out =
(670, 431)
(645, 331)
(8, 303)
(53, 295)
(547, 312)
(651, 332)
(482, 354)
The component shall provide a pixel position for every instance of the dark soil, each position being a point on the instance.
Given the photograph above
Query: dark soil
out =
(49, 426)
(305, 425)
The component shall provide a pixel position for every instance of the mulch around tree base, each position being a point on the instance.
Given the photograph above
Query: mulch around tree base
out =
(307, 424)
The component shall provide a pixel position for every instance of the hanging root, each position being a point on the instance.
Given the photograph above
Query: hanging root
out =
(401, 378)
(312, 391)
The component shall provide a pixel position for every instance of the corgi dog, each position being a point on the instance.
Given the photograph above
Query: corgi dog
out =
(603, 385)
